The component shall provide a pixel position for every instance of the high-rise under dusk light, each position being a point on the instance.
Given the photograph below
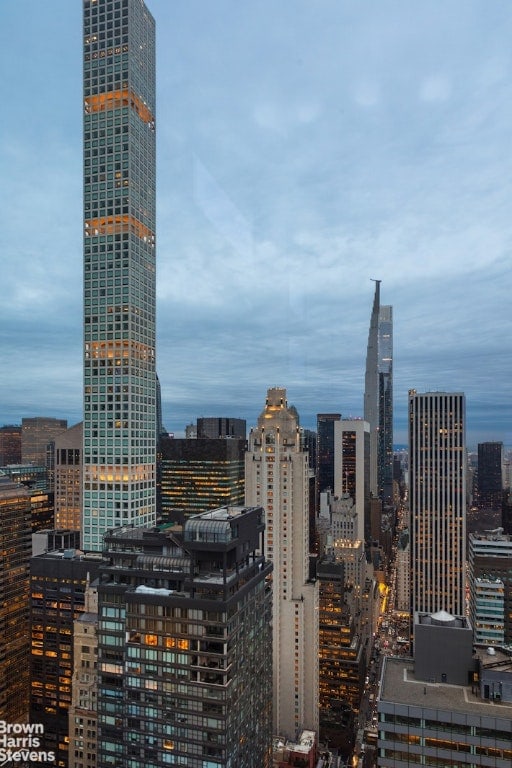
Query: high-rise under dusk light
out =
(119, 267)
(378, 396)
(437, 478)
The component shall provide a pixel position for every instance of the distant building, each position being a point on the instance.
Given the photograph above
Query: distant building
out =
(506, 512)
(36, 434)
(10, 444)
(68, 478)
(277, 478)
(325, 453)
(490, 586)
(342, 514)
(352, 469)
(29, 475)
(195, 475)
(51, 540)
(447, 707)
(15, 551)
(57, 586)
(488, 610)
(490, 477)
(437, 462)
(160, 429)
(403, 573)
(214, 427)
(183, 644)
(42, 508)
(378, 397)
(309, 442)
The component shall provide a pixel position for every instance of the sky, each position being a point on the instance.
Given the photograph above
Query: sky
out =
(304, 148)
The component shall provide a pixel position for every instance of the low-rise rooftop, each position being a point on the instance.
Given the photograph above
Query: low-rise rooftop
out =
(400, 686)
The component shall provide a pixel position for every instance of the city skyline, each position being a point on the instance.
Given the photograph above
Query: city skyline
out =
(297, 160)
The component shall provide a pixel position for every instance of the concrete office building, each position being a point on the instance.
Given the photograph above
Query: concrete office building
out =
(120, 419)
(490, 571)
(183, 644)
(438, 709)
(36, 434)
(10, 444)
(277, 478)
(51, 540)
(437, 479)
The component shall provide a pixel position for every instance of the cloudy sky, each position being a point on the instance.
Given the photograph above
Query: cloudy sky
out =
(304, 148)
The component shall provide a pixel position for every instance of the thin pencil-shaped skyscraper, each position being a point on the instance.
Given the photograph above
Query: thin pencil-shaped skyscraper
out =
(378, 397)
(119, 267)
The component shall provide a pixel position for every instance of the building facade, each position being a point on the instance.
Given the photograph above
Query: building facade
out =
(83, 715)
(490, 571)
(487, 605)
(214, 427)
(490, 475)
(325, 453)
(120, 419)
(183, 645)
(42, 510)
(437, 479)
(36, 434)
(29, 475)
(341, 653)
(68, 478)
(403, 573)
(378, 397)
(57, 597)
(15, 551)
(194, 475)
(352, 469)
(10, 444)
(276, 477)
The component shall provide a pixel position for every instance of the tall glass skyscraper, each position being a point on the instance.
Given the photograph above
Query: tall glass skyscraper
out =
(119, 267)
(378, 397)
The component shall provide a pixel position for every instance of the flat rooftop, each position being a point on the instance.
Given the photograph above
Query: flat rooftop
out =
(222, 513)
(399, 686)
(494, 657)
